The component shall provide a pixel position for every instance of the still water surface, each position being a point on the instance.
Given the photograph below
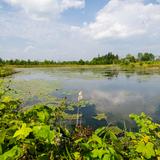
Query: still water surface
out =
(116, 93)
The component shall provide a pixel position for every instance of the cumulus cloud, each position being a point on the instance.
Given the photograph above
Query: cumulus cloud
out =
(123, 18)
(28, 48)
(51, 40)
(121, 26)
(65, 4)
(42, 8)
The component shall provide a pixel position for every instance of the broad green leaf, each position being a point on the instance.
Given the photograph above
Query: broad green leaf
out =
(41, 131)
(43, 115)
(146, 150)
(44, 133)
(23, 132)
(76, 155)
(131, 134)
(107, 157)
(98, 153)
(140, 147)
(149, 150)
(12, 154)
(95, 138)
(6, 99)
(2, 106)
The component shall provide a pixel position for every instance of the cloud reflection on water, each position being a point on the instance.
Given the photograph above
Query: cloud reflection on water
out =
(121, 103)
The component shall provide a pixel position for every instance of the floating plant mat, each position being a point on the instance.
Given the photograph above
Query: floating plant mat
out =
(34, 91)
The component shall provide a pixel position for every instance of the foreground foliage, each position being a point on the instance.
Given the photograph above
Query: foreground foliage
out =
(5, 71)
(41, 133)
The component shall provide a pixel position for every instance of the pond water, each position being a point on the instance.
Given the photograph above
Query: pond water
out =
(113, 92)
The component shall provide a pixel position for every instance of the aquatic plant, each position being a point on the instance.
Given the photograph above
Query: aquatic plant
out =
(41, 132)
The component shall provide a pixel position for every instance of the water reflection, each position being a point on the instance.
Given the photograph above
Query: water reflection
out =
(88, 114)
(82, 73)
(112, 91)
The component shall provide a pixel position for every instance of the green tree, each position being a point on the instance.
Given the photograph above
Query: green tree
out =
(130, 58)
(81, 62)
(146, 56)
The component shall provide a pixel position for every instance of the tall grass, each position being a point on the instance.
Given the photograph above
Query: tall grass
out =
(6, 71)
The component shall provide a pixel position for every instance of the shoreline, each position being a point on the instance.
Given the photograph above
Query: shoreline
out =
(131, 66)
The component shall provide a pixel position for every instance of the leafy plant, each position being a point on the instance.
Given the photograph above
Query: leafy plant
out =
(41, 133)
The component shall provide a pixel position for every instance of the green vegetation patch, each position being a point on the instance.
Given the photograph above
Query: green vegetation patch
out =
(41, 133)
(6, 71)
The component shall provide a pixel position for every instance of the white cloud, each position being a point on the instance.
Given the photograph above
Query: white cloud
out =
(124, 18)
(42, 8)
(65, 4)
(51, 40)
(28, 48)
(54, 39)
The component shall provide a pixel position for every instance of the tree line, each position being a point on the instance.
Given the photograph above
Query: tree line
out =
(109, 58)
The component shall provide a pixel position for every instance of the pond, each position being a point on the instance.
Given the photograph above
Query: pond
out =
(117, 93)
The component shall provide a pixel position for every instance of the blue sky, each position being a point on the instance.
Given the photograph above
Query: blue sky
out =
(75, 29)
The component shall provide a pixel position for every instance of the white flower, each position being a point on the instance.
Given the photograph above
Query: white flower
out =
(80, 96)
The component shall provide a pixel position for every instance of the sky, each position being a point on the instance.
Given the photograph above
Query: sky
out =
(75, 29)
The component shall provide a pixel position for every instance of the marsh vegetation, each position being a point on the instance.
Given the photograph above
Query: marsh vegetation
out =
(41, 116)
(41, 133)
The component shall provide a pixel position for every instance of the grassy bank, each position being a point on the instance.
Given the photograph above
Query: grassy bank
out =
(6, 71)
(63, 66)
(131, 66)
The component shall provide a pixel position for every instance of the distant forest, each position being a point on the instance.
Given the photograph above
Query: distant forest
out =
(109, 58)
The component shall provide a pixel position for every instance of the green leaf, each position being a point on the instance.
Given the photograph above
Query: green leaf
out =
(107, 157)
(114, 130)
(100, 131)
(23, 132)
(76, 155)
(113, 136)
(6, 99)
(140, 147)
(95, 138)
(12, 154)
(42, 157)
(2, 106)
(43, 115)
(131, 135)
(2, 136)
(146, 150)
(1, 151)
(158, 151)
(44, 133)
(149, 150)
(98, 153)
(78, 140)
(100, 116)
